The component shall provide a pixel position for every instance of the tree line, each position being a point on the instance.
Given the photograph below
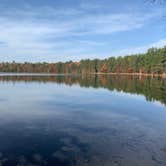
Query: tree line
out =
(153, 62)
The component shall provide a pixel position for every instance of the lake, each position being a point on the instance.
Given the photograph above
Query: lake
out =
(82, 120)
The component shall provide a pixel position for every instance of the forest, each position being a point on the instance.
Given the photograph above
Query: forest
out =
(151, 62)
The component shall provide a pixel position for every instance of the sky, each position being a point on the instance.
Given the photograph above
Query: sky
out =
(63, 30)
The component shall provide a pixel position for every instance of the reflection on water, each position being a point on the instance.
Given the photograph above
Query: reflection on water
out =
(151, 88)
(97, 120)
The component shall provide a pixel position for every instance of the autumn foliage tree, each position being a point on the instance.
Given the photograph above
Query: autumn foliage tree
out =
(153, 61)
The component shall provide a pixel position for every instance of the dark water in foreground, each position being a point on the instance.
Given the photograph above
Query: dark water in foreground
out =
(97, 121)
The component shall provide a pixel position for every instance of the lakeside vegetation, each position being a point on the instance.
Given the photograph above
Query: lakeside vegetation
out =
(151, 62)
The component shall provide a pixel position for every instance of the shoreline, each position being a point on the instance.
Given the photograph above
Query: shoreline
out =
(135, 74)
(70, 74)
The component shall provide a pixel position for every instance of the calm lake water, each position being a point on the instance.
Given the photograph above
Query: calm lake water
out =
(76, 120)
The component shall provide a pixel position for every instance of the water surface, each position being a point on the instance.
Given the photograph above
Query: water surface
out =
(82, 120)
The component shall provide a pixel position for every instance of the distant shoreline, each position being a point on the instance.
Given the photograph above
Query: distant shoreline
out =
(135, 74)
(70, 74)
(28, 74)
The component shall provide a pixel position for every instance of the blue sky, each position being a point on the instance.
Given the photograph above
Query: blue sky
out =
(62, 30)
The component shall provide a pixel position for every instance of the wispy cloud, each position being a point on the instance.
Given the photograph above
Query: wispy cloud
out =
(142, 49)
(45, 31)
(2, 43)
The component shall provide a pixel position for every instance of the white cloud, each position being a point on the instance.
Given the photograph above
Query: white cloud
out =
(45, 31)
(142, 49)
